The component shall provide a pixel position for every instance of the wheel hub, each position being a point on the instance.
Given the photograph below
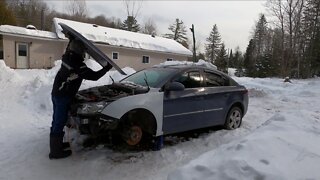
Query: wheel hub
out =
(134, 135)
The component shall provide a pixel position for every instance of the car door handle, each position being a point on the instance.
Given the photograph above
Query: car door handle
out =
(227, 95)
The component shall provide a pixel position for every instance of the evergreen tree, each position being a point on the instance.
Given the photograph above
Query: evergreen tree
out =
(130, 24)
(249, 61)
(258, 52)
(213, 44)
(311, 22)
(231, 62)
(6, 15)
(222, 58)
(238, 62)
(178, 32)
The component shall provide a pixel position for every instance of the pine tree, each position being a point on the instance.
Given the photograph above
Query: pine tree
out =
(178, 32)
(222, 58)
(258, 51)
(238, 62)
(249, 61)
(311, 25)
(231, 62)
(213, 44)
(130, 24)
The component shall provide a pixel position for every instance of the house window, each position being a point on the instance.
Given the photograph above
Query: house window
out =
(145, 59)
(115, 55)
(169, 59)
(22, 49)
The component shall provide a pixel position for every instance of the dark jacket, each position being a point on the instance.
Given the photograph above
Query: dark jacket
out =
(73, 70)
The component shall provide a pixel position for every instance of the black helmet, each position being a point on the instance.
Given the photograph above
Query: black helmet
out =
(77, 47)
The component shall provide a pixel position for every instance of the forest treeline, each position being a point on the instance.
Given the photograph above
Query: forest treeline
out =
(285, 42)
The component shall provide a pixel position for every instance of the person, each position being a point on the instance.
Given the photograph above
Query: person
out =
(66, 84)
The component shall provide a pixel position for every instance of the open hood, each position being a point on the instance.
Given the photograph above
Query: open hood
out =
(91, 49)
(109, 92)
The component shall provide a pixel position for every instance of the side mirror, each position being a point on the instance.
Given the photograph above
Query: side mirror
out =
(174, 86)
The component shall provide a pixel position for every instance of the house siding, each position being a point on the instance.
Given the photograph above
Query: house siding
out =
(133, 57)
(42, 52)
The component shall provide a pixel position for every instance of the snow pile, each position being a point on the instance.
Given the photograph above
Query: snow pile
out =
(277, 140)
(7, 74)
(117, 37)
(25, 31)
(283, 147)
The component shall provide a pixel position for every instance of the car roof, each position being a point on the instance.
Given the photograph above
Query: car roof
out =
(182, 67)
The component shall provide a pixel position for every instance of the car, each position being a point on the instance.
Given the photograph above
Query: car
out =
(161, 100)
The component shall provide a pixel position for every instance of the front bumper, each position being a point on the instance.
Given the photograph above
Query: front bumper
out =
(93, 123)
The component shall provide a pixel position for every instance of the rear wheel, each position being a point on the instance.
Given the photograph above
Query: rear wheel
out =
(234, 118)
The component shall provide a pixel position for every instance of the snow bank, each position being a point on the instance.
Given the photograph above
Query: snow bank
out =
(277, 140)
(282, 148)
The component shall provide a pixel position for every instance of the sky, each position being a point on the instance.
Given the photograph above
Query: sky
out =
(235, 19)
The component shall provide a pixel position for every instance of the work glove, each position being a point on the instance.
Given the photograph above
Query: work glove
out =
(108, 67)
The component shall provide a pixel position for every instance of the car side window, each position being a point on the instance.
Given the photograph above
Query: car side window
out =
(191, 79)
(213, 80)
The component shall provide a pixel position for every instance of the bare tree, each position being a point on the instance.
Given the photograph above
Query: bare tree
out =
(288, 14)
(150, 27)
(132, 7)
(29, 12)
(77, 9)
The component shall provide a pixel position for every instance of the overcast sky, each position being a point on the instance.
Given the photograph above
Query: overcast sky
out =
(235, 19)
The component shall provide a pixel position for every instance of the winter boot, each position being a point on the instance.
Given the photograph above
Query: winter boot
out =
(65, 145)
(56, 148)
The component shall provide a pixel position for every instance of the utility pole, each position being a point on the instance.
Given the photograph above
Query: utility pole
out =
(194, 44)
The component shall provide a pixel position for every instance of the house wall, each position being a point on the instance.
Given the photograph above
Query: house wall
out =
(42, 52)
(133, 58)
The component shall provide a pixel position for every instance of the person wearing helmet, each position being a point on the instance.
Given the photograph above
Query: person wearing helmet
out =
(66, 84)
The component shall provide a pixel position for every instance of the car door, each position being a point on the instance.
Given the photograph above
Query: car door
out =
(181, 109)
(216, 92)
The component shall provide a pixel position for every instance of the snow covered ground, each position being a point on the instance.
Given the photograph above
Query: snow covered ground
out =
(279, 137)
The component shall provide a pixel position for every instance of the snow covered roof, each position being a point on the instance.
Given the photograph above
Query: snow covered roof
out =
(117, 37)
(26, 32)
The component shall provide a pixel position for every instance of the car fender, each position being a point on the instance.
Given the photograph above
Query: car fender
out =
(151, 101)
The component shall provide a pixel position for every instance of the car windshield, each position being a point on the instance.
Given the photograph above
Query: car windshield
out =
(154, 76)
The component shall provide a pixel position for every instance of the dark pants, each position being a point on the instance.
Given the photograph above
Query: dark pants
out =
(61, 106)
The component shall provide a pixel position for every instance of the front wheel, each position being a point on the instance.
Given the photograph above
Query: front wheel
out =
(234, 118)
(134, 135)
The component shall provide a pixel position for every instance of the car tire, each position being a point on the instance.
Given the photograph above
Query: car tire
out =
(234, 118)
(132, 134)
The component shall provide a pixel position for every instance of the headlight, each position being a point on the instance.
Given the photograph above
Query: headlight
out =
(88, 108)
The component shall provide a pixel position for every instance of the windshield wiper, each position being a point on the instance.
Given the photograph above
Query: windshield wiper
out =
(112, 79)
(146, 80)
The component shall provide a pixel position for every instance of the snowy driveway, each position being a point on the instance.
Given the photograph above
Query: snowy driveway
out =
(278, 138)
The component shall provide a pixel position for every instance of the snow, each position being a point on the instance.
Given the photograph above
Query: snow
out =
(277, 140)
(117, 37)
(199, 63)
(29, 32)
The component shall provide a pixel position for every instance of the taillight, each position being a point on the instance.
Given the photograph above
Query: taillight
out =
(245, 91)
